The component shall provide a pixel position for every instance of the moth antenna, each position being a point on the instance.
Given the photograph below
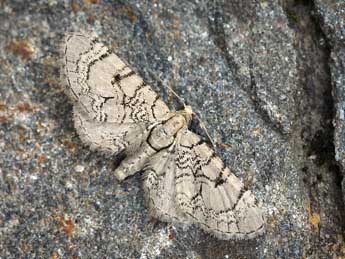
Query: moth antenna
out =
(169, 88)
(202, 125)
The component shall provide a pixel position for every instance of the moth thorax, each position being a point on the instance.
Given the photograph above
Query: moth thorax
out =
(163, 135)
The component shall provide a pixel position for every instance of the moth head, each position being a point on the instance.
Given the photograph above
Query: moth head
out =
(188, 109)
(188, 112)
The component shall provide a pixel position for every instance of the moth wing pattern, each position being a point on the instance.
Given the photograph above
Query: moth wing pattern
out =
(104, 86)
(159, 187)
(110, 137)
(113, 107)
(210, 195)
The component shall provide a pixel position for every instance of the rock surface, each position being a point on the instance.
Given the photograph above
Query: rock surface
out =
(260, 74)
(332, 17)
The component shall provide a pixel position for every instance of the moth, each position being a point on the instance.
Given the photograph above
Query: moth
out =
(184, 181)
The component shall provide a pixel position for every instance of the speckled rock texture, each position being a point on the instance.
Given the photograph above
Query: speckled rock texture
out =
(266, 77)
(332, 17)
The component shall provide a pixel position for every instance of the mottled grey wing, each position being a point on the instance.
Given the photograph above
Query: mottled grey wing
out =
(159, 187)
(210, 195)
(104, 86)
(113, 107)
(110, 137)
